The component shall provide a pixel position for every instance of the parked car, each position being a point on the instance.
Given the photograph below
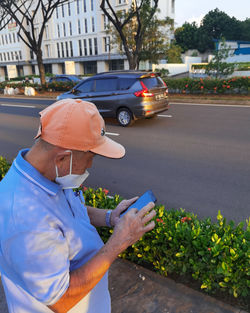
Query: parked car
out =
(126, 95)
(65, 79)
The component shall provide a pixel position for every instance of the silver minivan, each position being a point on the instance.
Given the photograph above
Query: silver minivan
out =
(125, 95)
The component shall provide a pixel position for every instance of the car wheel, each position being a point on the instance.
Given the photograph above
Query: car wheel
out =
(124, 117)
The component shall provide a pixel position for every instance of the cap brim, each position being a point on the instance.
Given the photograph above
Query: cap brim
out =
(110, 149)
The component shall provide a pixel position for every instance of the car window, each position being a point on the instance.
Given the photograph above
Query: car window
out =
(106, 84)
(86, 86)
(126, 83)
(152, 82)
(62, 79)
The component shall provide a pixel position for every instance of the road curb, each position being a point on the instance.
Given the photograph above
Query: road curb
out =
(136, 289)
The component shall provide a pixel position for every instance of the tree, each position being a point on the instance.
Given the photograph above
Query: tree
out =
(133, 29)
(218, 66)
(218, 24)
(215, 25)
(174, 54)
(26, 14)
(245, 29)
(186, 35)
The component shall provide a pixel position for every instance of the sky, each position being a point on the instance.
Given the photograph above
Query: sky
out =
(195, 10)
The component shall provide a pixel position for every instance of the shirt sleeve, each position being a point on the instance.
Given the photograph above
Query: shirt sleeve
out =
(41, 260)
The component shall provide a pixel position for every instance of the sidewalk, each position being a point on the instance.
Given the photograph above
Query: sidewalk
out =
(135, 289)
(234, 100)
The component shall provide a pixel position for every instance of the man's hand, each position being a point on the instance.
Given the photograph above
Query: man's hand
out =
(122, 206)
(132, 226)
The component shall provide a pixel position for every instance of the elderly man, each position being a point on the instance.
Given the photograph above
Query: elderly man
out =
(52, 258)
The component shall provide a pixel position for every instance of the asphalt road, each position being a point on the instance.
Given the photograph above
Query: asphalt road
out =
(192, 156)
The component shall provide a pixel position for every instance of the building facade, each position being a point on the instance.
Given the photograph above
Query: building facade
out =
(75, 41)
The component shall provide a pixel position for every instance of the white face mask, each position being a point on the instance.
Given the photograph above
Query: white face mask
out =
(71, 181)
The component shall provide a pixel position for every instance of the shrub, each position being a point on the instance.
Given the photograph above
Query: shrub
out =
(215, 86)
(4, 166)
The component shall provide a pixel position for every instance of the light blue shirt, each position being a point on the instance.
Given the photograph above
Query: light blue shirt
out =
(45, 233)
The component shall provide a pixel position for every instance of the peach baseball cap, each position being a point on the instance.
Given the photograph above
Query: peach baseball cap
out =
(77, 125)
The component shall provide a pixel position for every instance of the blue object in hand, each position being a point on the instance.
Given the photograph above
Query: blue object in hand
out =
(140, 203)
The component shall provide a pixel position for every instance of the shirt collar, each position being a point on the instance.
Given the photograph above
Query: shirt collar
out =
(32, 174)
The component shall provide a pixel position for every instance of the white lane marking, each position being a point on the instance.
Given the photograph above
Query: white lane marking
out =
(214, 105)
(162, 115)
(17, 105)
(112, 134)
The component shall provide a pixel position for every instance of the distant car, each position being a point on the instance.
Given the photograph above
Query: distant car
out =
(65, 79)
(126, 95)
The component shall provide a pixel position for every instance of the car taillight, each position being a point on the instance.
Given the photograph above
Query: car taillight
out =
(144, 92)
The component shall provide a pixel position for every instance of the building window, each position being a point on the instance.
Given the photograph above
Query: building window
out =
(47, 32)
(122, 1)
(90, 46)
(84, 6)
(80, 47)
(20, 55)
(10, 39)
(57, 12)
(4, 56)
(62, 10)
(67, 49)
(1, 57)
(69, 9)
(14, 37)
(79, 27)
(58, 30)
(173, 6)
(31, 54)
(6, 39)
(18, 38)
(12, 56)
(93, 24)
(70, 28)
(71, 48)
(106, 44)
(62, 48)
(2, 39)
(58, 50)
(8, 56)
(86, 25)
(78, 6)
(95, 46)
(47, 49)
(92, 5)
(64, 30)
(16, 55)
(85, 47)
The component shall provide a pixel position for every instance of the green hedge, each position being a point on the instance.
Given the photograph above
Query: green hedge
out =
(215, 254)
(55, 86)
(236, 85)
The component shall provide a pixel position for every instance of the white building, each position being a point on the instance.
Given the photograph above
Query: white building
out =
(75, 41)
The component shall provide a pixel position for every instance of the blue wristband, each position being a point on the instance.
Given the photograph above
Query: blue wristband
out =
(108, 218)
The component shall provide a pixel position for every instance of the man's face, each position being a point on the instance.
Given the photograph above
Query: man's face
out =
(80, 162)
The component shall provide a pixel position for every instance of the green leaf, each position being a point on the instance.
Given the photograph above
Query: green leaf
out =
(222, 284)
(232, 251)
(219, 216)
(204, 286)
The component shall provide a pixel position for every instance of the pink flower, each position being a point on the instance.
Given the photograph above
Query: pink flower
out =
(85, 188)
(105, 191)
